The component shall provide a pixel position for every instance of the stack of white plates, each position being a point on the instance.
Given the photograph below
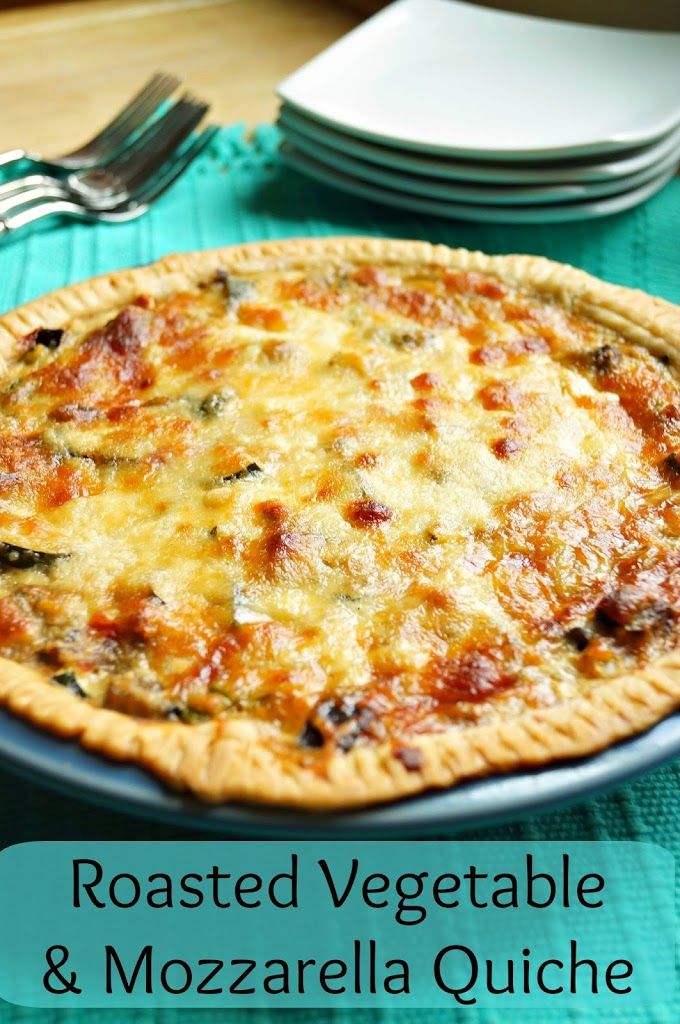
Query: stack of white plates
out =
(459, 111)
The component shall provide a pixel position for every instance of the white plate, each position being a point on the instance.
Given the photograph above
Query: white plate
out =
(501, 195)
(544, 214)
(577, 171)
(448, 77)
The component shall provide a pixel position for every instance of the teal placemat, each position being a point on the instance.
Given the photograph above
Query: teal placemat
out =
(236, 192)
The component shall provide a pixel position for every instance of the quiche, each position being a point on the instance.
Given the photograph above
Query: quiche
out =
(331, 522)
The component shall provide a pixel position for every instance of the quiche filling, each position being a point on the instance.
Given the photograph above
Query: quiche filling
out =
(357, 503)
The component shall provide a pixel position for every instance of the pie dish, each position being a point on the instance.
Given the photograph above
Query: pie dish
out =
(326, 523)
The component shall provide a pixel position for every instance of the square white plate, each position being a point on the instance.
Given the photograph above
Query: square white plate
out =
(466, 192)
(544, 213)
(575, 171)
(443, 76)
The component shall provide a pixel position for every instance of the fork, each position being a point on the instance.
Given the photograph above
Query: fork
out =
(105, 143)
(138, 202)
(112, 184)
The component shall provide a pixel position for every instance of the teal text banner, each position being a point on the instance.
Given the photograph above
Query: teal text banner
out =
(337, 924)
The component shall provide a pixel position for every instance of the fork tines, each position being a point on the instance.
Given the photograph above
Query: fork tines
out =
(143, 105)
(131, 175)
(159, 140)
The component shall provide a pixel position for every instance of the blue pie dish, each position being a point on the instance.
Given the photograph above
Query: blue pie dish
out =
(64, 766)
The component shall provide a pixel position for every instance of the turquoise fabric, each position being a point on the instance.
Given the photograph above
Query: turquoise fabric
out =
(238, 191)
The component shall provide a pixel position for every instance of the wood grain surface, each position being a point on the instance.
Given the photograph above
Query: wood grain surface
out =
(66, 67)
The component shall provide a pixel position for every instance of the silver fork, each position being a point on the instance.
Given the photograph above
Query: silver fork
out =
(105, 143)
(112, 185)
(137, 203)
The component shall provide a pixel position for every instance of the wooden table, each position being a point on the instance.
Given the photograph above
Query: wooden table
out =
(66, 67)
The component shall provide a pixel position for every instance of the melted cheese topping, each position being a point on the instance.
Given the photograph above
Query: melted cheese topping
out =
(354, 503)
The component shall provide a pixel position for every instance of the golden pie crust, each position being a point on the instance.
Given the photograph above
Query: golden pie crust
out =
(239, 758)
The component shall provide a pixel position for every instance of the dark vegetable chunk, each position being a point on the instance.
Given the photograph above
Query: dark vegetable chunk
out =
(410, 340)
(310, 737)
(14, 557)
(671, 469)
(252, 469)
(212, 404)
(343, 721)
(235, 288)
(605, 358)
(47, 336)
(634, 608)
(577, 637)
(68, 681)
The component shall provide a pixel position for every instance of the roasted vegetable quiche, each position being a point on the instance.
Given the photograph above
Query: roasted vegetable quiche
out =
(331, 522)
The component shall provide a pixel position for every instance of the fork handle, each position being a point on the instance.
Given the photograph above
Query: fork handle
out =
(37, 211)
(12, 156)
(13, 221)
